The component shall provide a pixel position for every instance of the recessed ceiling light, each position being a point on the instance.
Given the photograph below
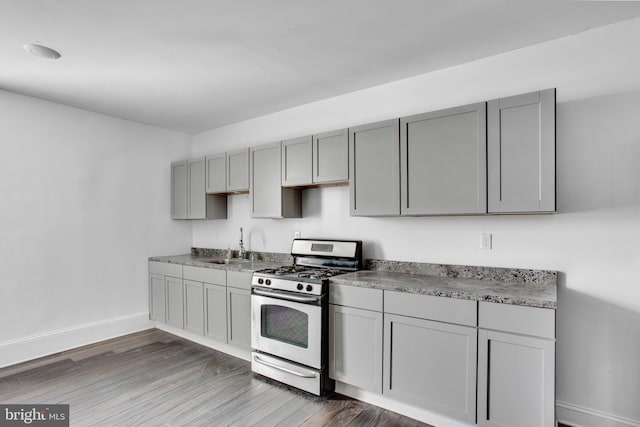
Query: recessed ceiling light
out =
(41, 51)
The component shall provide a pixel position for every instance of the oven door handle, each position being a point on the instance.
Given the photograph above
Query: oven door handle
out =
(282, 368)
(285, 296)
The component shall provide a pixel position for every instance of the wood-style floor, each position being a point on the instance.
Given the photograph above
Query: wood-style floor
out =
(153, 378)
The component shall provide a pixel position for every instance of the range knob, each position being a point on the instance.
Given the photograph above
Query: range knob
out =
(300, 287)
(309, 288)
(267, 282)
(260, 281)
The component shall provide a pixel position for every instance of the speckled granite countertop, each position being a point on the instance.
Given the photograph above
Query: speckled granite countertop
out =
(533, 288)
(201, 261)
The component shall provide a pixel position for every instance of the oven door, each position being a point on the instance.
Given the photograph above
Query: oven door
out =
(288, 329)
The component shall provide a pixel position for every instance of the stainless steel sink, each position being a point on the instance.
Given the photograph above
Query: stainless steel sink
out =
(228, 261)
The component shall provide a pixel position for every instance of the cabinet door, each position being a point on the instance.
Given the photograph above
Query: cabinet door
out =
(331, 157)
(239, 317)
(216, 173)
(515, 380)
(268, 198)
(197, 195)
(444, 162)
(215, 299)
(374, 156)
(179, 189)
(194, 307)
(157, 298)
(521, 153)
(175, 313)
(355, 347)
(431, 365)
(296, 162)
(238, 170)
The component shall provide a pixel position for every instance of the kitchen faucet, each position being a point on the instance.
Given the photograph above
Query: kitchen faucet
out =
(242, 252)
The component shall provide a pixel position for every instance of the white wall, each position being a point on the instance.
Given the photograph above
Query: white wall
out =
(592, 241)
(85, 202)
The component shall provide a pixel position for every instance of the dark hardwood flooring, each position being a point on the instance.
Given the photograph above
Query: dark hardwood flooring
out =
(153, 378)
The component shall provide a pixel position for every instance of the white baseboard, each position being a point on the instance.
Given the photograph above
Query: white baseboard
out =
(35, 346)
(579, 416)
(399, 407)
(207, 342)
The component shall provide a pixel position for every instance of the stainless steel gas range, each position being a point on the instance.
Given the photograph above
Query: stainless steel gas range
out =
(289, 315)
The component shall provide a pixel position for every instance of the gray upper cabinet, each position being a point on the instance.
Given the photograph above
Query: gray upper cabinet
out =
(268, 198)
(443, 162)
(228, 172)
(216, 173)
(331, 157)
(296, 162)
(179, 189)
(374, 157)
(521, 153)
(321, 159)
(237, 178)
(197, 205)
(189, 199)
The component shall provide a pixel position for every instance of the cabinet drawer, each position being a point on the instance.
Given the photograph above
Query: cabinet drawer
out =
(518, 319)
(165, 269)
(353, 296)
(239, 279)
(207, 275)
(450, 310)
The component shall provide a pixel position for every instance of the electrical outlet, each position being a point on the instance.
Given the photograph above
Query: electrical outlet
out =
(297, 234)
(485, 241)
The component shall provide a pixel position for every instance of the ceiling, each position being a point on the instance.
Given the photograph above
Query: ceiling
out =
(194, 65)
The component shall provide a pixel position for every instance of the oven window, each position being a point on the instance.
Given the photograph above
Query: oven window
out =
(285, 324)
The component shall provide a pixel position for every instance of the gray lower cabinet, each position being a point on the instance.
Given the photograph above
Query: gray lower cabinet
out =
(355, 336)
(163, 277)
(206, 301)
(296, 162)
(331, 157)
(443, 167)
(430, 349)
(194, 307)
(516, 366)
(239, 317)
(239, 309)
(175, 302)
(206, 309)
(268, 198)
(355, 347)
(521, 153)
(215, 300)
(374, 161)
(157, 298)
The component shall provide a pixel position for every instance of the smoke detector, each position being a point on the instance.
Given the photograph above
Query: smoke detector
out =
(41, 51)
